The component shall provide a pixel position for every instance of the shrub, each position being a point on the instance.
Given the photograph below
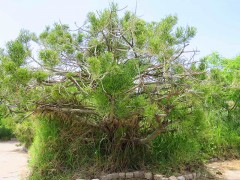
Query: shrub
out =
(24, 132)
(5, 133)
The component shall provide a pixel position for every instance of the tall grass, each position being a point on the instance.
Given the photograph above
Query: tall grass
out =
(60, 151)
(200, 137)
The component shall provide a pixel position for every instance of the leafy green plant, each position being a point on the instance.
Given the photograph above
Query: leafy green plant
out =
(5, 133)
(25, 133)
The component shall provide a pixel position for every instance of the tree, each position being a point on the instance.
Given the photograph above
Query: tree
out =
(222, 84)
(121, 76)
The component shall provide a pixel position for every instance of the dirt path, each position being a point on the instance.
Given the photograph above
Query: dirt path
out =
(227, 170)
(13, 161)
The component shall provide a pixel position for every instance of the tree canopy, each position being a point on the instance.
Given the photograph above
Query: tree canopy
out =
(119, 71)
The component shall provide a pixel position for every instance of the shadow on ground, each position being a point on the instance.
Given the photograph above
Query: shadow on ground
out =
(13, 161)
(226, 170)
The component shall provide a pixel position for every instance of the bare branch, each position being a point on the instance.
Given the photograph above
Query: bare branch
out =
(68, 110)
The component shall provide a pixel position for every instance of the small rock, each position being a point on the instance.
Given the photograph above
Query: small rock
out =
(138, 174)
(198, 174)
(158, 177)
(108, 177)
(194, 175)
(114, 176)
(180, 178)
(104, 178)
(188, 176)
(95, 179)
(129, 175)
(148, 175)
(191, 176)
(122, 175)
(172, 178)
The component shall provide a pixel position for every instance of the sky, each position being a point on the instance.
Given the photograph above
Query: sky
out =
(217, 21)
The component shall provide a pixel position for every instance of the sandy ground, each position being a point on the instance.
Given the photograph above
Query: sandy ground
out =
(13, 161)
(227, 170)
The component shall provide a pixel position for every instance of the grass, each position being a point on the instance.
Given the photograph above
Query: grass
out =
(59, 150)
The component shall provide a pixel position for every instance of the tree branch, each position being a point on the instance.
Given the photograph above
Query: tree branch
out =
(68, 110)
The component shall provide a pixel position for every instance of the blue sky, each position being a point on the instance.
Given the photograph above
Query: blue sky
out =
(217, 21)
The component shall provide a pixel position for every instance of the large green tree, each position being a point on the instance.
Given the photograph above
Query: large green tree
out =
(117, 75)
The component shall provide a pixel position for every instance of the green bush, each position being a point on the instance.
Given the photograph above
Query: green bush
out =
(24, 132)
(58, 149)
(5, 133)
(175, 151)
(200, 137)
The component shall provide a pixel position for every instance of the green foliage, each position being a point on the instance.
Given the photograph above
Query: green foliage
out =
(58, 148)
(202, 135)
(118, 94)
(5, 133)
(10, 66)
(17, 52)
(40, 75)
(43, 154)
(25, 132)
(120, 80)
(49, 57)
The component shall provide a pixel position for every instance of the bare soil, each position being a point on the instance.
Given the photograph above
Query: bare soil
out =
(227, 170)
(13, 161)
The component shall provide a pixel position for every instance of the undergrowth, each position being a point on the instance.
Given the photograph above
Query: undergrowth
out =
(5, 133)
(60, 151)
(201, 137)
